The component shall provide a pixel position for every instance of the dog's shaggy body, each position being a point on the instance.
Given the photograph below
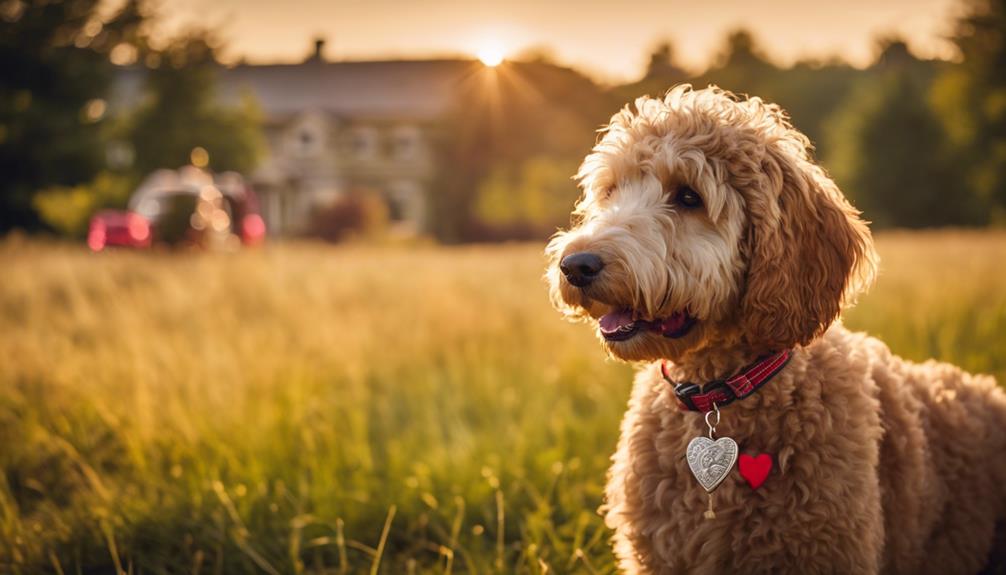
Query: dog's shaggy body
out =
(881, 465)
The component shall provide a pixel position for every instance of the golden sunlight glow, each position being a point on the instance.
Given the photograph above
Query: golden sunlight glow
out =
(491, 54)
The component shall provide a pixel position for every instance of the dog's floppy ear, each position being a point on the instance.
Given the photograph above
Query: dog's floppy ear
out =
(808, 252)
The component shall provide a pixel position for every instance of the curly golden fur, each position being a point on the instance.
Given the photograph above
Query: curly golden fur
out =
(881, 465)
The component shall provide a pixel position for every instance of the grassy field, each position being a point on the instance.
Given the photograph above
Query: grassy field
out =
(307, 409)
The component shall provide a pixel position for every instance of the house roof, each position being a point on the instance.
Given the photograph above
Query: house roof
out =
(410, 88)
(423, 88)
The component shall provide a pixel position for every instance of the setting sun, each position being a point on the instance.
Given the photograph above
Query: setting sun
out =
(491, 54)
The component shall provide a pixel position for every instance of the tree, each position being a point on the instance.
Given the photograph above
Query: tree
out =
(887, 152)
(663, 66)
(971, 98)
(180, 113)
(662, 73)
(56, 75)
(742, 67)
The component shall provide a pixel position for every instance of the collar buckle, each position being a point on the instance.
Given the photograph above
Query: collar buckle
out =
(705, 398)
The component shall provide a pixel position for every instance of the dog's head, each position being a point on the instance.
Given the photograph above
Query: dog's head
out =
(705, 222)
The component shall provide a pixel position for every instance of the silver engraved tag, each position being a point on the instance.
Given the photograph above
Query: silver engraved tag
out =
(711, 461)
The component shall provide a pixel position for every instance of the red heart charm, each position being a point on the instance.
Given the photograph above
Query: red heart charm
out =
(755, 470)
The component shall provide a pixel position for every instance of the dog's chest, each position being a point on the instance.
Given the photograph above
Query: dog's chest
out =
(672, 507)
(798, 473)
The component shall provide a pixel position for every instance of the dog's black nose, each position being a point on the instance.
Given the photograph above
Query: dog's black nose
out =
(581, 268)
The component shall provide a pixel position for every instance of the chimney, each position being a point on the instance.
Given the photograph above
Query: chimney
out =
(319, 49)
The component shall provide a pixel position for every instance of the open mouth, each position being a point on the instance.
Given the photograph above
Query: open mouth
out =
(622, 325)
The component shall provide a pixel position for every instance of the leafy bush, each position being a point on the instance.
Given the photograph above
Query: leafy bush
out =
(351, 216)
(68, 209)
(528, 202)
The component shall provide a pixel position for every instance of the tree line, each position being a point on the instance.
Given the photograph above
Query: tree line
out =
(913, 142)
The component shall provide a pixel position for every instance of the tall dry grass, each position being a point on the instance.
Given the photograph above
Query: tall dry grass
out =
(309, 409)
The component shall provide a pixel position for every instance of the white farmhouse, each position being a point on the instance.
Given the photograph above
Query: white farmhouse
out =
(334, 128)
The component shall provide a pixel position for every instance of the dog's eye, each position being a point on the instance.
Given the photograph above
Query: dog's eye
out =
(688, 198)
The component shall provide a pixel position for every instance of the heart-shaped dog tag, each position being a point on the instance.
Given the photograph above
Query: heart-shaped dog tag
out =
(711, 461)
(755, 470)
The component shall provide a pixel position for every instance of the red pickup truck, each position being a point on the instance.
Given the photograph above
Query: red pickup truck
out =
(185, 207)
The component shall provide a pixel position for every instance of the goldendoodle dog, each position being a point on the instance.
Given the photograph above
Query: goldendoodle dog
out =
(762, 436)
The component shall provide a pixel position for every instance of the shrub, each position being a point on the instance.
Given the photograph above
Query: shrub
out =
(67, 210)
(350, 216)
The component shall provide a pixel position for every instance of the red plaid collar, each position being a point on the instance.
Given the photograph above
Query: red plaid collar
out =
(723, 392)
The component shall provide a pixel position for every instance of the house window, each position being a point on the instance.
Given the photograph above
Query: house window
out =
(364, 142)
(406, 142)
(308, 139)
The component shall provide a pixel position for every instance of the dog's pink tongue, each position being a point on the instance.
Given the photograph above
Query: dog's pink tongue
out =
(611, 322)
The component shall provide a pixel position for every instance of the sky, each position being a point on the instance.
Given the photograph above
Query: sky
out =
(609, 40)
